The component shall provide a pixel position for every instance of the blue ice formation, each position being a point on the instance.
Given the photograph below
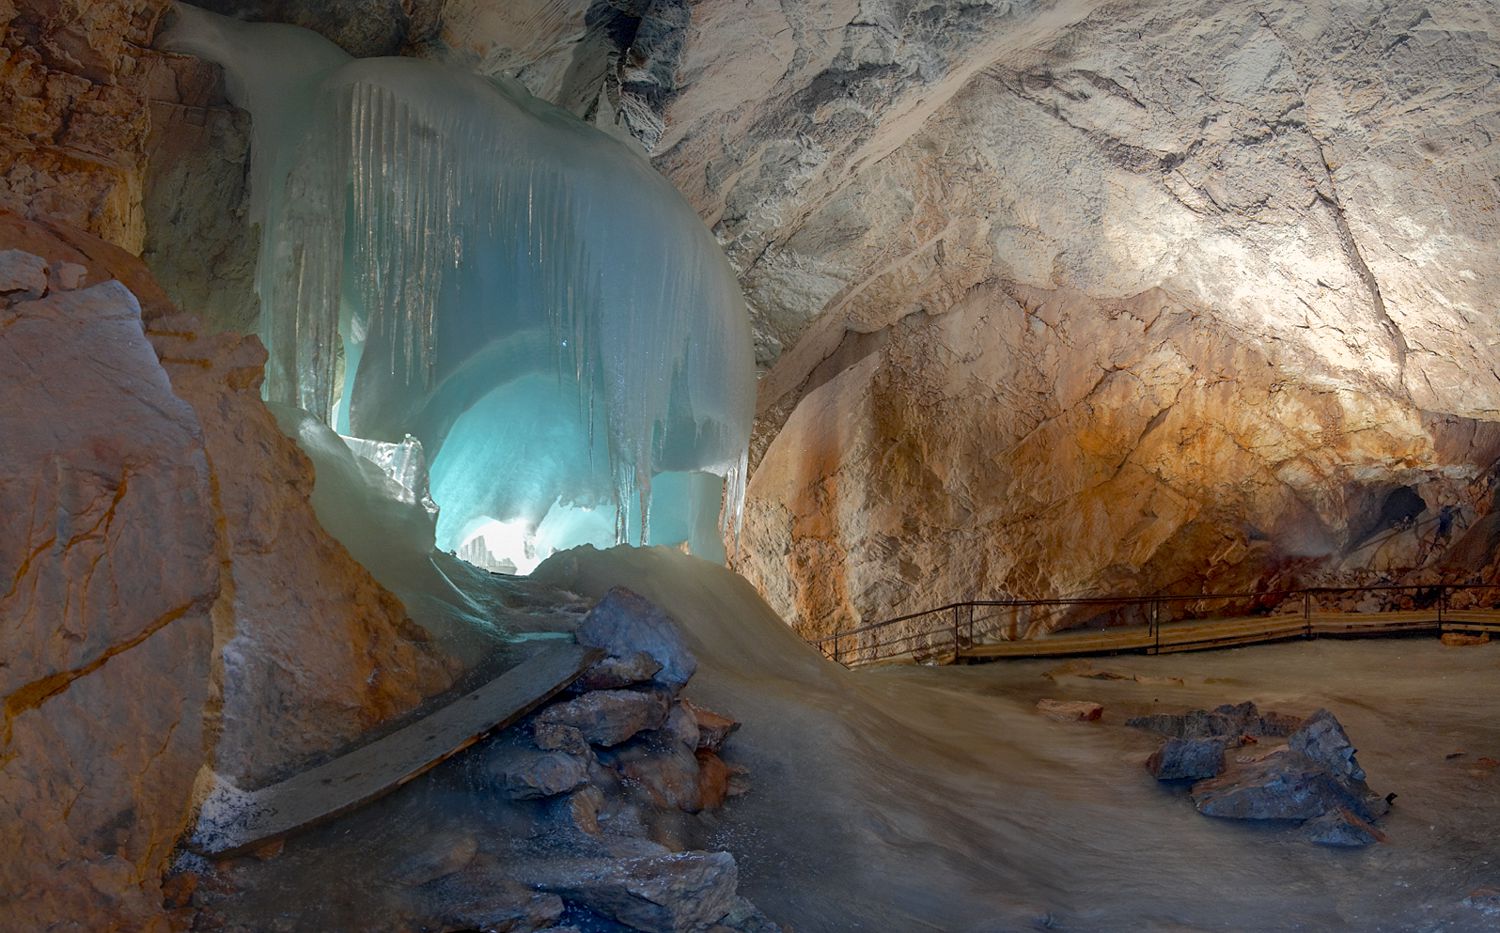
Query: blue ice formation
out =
(445, 256)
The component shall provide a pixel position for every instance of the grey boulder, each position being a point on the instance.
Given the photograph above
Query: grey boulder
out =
(624, 623)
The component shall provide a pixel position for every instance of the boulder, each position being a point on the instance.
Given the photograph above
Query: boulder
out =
(667, 774)
(681, 728)
(609, 717)
(1231, 721)
(1286, 786)
(675, 893)
(557, 737)
(1323, 739)
(523, 773)
(481, 897)
(1341, 828)
(442, 854)
(613, 673)
(624, 623)
(1188, 759)
(1070, 710)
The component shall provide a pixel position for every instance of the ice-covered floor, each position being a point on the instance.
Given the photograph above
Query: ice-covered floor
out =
(936, 798)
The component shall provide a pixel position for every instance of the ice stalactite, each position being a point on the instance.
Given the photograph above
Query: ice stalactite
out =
(444, 255)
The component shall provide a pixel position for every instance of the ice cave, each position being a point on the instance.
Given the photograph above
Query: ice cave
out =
(578, 466)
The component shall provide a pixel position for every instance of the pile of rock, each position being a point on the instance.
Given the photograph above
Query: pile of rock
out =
(1314, 778)
(611, 761)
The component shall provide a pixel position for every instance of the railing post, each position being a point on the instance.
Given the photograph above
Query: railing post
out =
(1442, 604)
(1306, 614)
(957, 633)
(1155, 624)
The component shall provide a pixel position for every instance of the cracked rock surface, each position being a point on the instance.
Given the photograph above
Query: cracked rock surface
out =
(171, 605)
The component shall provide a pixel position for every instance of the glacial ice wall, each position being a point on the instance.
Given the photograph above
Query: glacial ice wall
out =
(445, 256)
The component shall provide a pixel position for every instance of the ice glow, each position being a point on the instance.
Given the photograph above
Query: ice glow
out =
(444, 255)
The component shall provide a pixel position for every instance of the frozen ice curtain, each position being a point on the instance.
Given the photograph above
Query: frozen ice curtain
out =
(444, 255)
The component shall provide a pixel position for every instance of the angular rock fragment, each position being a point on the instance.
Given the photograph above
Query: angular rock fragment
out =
(715, 781)
(1188, 759)
(745, 917)
(669, 776)
(713, 728)
(23, 277)
(557, 737)
(1341, 828)
(1233, 721)
(526, 774)
(1465, 640)
(1324, 740)
(481, 898)
(624, 623)
(614, 672)
(1070, 710)
(673, 893)
(609, 717)
(583, 807)
(1281, 787)
(444, 853)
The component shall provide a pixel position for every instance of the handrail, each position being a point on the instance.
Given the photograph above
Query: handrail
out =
(829, 645)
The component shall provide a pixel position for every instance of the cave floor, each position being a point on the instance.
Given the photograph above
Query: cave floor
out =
(1064, 818)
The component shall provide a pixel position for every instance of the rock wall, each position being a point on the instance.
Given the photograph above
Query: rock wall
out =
(112, 574)
(172, 607)
(1299, 184)
(72, 108)
(1032, 443)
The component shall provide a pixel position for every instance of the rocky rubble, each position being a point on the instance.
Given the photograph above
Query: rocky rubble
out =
(1314, 779)
(587, 813)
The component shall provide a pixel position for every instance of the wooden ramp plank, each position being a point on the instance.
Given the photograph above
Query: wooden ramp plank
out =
(372, 771)
(1132, 639)
(1374, 623)
(1208, 634)
(1471, 620)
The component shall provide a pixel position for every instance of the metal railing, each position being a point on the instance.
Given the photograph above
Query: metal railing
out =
(945, 633)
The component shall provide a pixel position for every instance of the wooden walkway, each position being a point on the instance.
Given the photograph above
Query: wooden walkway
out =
(1204, 635)
(372, 771)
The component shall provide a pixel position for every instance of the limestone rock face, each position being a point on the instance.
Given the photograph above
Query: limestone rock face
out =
(199, 242)
(73, 120)
(112, 575)
(170, 603)
(1034, 442)
(320, 653)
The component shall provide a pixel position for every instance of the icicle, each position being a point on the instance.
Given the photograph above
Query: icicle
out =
(490, 238)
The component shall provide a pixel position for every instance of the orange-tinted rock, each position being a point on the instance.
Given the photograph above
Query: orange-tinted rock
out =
(1070, 710)
(1034, 443)
(320, 652)
(74, 116)
(107, 621)
(171, 602)
(1465, 640)
(713, 781)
